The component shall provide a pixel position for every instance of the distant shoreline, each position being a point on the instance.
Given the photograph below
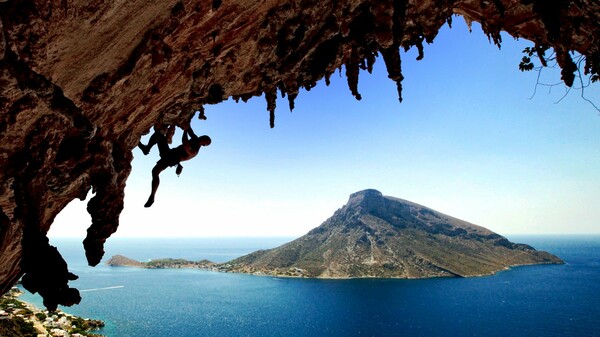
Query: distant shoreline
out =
(293, 272)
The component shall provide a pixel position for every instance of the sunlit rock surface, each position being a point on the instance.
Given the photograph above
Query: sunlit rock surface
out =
(82, 81)
(380, 236)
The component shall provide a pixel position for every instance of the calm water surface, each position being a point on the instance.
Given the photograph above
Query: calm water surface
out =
(548, 300)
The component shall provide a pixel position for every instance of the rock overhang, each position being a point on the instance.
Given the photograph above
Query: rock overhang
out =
(81, 82)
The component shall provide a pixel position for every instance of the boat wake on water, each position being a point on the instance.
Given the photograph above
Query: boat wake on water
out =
(105, 288)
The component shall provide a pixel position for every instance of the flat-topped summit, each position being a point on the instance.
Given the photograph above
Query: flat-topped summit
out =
(380, 236)
(404, 214)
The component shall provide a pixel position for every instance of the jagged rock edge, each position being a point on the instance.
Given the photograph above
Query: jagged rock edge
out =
(351, 46)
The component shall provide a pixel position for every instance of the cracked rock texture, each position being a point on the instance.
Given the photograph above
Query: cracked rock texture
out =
(82, 81)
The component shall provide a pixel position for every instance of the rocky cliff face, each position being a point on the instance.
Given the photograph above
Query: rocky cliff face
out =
(81, 81)
(123, 261)
(379, 236)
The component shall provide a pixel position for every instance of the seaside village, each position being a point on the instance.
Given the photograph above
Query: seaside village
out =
(18, 318)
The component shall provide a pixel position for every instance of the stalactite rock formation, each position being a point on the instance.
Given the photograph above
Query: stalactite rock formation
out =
(82, 81)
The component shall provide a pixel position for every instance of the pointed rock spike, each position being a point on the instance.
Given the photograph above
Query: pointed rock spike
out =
(391, 57)
(371, 61)
(281, 87)
(352, 72)
(292, 100)
(271, 97)
(399, 88)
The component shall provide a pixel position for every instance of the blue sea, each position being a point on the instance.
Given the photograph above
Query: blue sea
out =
(544, 300)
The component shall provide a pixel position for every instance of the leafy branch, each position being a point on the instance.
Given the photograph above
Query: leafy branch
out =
(571, 71)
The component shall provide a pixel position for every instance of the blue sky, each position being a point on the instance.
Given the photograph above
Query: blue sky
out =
(467, 141)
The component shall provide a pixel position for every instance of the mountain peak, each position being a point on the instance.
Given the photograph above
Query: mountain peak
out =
(368, 193)
(367, 200)
(382, 236)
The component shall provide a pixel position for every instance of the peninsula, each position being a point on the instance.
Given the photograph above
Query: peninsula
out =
(123, 261)
(380, 237)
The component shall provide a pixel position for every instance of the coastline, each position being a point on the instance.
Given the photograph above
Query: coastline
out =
(194, 296)
(260, 273)
(292, 272)
(21, 318)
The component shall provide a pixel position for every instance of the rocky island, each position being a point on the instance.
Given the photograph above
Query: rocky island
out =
(122, 261)
(379, 236)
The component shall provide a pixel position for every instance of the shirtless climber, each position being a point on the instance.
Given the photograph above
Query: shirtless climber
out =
(170, 157)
